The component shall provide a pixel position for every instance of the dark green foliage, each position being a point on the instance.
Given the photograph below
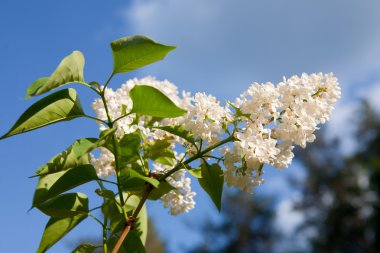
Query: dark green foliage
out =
(212, 181)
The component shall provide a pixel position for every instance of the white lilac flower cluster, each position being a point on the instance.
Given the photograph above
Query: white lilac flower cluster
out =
(269, 121)
(274, 119)
(179, 200)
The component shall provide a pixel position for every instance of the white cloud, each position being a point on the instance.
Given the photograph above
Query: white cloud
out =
(372, 95)
(224, 45)
(287, 218)
(340, 127)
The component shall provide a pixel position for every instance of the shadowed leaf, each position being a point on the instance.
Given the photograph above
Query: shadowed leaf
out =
(62, 105)
(57, 228)
(51, 185)
(84, 248)
(212, 182)
(179, 131)
(65, 205)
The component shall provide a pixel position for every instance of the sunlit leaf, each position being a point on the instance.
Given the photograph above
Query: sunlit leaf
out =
(62, 105)
(73, 156)
(141, 224)
(148, 100)
(196, 172)
(133, 52)
(70, 70)
(129, 148)
(129, 178)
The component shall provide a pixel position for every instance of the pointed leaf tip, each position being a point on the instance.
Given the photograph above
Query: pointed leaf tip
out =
(62, 105)
(148, 100)
(70, 70)
(134, 52)
(212, 182)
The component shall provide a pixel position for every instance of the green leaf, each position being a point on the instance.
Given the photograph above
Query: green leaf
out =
(73, 156)
(105, 139)
(238, 111)
(129, 148)
(70, 70)
(69, 180)
(105, 193)
(160, 152)
(117, 223)
(163, 188)
(133, 52)
(196, 172)
(130, 178)
(159, 148)
(62, 105)
(165, 160)
(84, 248)
(133, 243)
(150, 101)
(141, 224)
(212, 182)
(65, 205)
(57, 228)
(110, 208)
(179, 131)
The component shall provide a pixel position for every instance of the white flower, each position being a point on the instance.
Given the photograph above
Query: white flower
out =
(120, 98)
(179, 200)
(272, 119)
(269, 121)
(261, 102)
(205, 117)
(104, 164)
(236, 174)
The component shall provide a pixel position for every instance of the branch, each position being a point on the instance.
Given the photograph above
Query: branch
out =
(195, 157)
(149, 188)
(131, 220)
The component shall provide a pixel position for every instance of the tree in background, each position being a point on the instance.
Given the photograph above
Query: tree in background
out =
(340, 196)
(247, 226)
(340, 201)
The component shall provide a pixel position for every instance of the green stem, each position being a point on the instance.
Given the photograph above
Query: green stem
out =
(125, 115)
(114, 144)
(105, 220)
(89, 86)
(122, 202)
(195, 157)
(132, 219)
(108, 81)
(92, 216)
(105, 234)
(94, 118)
(95, 208)
(149, 188)
(107, 181)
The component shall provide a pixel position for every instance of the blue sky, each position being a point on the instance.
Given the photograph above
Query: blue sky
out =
(223, 46)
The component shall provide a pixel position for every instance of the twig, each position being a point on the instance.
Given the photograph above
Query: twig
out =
(132, 219)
